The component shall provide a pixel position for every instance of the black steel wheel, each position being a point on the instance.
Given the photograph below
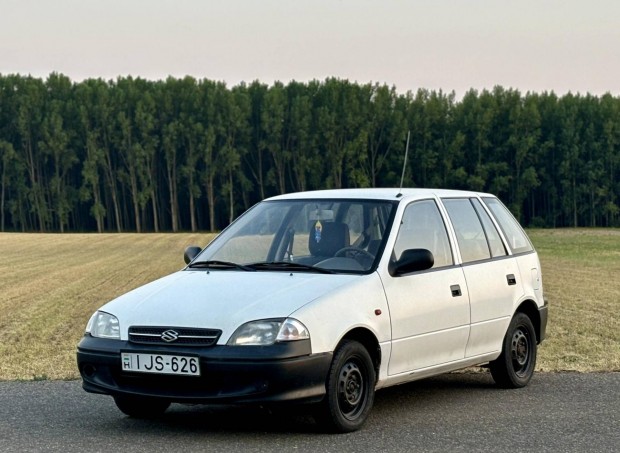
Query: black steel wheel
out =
(515, 366)
(350, 389)
(140, 407)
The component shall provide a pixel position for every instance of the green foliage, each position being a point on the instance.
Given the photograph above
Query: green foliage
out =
(135, 155)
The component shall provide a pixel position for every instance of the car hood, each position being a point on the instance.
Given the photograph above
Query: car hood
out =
(220, 299)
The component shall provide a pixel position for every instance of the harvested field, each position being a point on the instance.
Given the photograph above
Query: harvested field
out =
(50, 284)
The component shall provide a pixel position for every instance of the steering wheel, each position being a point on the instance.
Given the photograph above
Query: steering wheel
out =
(354, 252)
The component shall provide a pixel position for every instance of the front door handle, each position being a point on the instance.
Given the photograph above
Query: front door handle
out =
(510, 278)
(456, 290)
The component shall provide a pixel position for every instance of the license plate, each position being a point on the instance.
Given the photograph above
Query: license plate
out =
(160, 364)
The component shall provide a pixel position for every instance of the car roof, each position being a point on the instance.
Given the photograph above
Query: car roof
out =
(392, 194)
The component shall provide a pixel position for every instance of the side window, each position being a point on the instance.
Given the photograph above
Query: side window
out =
(422, 228)
(495, 242)
(469, 233)
(517, 240)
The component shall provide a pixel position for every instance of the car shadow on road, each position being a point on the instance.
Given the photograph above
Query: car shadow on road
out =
(419, 397)
(224, 419)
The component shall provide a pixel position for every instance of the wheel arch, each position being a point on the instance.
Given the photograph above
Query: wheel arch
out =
(367, 339)
(530, 309)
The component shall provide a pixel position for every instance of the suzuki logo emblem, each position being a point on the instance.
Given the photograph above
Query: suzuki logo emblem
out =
(169, 336)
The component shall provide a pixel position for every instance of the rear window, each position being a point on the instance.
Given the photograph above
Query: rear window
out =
(469, 233)
(495, 242)
(516, 237)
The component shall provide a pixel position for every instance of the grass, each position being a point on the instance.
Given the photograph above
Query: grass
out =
(50, 284)
(581, 271)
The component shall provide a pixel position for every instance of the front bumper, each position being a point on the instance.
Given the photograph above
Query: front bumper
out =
(230, 374)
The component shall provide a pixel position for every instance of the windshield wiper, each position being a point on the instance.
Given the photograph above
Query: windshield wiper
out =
(216, 264)
(288, 266)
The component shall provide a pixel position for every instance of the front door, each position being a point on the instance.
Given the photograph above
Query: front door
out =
(429, 310)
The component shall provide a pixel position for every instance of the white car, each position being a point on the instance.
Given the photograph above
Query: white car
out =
(322, 298)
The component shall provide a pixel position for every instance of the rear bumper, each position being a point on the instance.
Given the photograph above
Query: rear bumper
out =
(229, 374)
(543, 313)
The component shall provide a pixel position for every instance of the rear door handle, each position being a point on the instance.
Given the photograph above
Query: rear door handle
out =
(456, 290)
(510, 278)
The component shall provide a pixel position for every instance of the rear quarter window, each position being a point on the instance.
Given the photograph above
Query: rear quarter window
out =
(516, 237)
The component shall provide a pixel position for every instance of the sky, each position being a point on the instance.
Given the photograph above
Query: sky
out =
(452, 45)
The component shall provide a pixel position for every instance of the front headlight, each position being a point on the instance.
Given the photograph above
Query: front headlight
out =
(268, 331)
(104, 325)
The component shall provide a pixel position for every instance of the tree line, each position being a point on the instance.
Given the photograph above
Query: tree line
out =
(186, 154)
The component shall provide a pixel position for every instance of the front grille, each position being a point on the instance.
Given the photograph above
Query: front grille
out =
(175, 336)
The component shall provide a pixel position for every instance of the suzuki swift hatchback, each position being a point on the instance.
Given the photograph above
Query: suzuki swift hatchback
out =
(323, 298)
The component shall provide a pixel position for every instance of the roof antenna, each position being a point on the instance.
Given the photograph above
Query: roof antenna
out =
(402, 176)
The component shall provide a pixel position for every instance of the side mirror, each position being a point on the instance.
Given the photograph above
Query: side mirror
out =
(190, 253)
(412, 260)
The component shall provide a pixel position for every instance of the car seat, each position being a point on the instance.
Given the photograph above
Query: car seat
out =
(331, 237)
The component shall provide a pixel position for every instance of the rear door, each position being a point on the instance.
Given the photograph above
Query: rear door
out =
(492, 275)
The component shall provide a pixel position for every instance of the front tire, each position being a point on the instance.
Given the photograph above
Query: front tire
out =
(140, 407)
(350, 389)
(515, 366)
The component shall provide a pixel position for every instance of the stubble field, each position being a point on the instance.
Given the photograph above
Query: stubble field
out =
(50, 284)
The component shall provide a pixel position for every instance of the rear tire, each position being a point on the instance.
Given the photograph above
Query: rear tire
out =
(350, 389)
(515, 366)
(141, 407)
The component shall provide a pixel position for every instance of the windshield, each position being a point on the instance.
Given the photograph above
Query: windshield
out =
(338, 235)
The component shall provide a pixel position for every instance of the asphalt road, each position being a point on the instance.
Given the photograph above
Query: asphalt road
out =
(456, 412)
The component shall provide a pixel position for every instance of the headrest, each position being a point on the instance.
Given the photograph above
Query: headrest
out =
(326, 238)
